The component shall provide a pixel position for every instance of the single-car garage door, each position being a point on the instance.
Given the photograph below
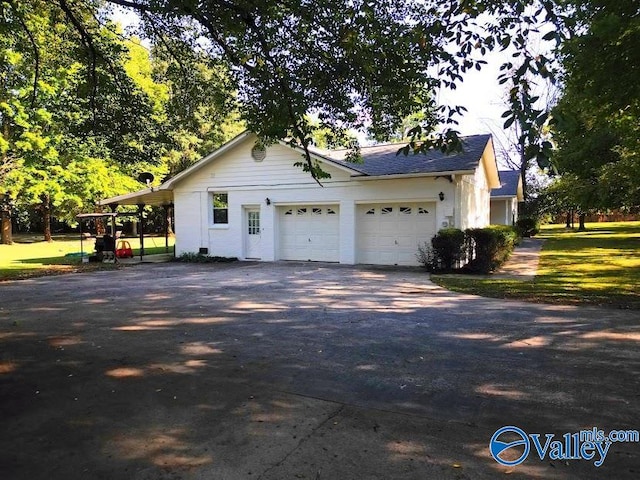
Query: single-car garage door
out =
(389, 233)
(309, 232)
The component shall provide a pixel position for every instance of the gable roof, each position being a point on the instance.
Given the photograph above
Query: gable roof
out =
(381, 160)
(510, 185)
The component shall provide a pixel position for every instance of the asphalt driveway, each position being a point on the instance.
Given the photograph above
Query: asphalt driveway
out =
(300, 371)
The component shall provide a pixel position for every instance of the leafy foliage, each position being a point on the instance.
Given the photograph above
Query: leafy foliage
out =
(490, 247)
(527, 226)
(449, 248)
(596, 121)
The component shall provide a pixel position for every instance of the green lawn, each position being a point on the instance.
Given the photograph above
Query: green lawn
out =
(600, 266)
(29, 256)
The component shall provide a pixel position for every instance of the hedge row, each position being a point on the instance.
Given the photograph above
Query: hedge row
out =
(477, 250)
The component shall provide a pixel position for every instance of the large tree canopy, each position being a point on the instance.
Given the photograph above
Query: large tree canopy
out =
(597, 120)
(78, 124)
(348, 63)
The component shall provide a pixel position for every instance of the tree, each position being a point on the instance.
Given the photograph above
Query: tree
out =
(59, 131)
(349, 64)
(596, 124)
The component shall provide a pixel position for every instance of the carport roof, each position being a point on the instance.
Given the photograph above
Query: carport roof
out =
(149, 196)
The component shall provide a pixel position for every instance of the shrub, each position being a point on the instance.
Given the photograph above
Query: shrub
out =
(192, 257)
(448, 248)
(491, 247)
(527, 226)
(425, 256)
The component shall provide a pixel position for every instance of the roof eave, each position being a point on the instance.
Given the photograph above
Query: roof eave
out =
(491, 165)
(502, 197)
(418, 175)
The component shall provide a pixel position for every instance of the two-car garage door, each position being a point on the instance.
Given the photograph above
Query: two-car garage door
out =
(386, 233)
(389, 233)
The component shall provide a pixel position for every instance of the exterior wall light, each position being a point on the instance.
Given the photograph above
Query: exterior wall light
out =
(441, 196)
(267, 201)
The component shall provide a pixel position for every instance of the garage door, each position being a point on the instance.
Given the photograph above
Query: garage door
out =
(310, 232)
(389, 233)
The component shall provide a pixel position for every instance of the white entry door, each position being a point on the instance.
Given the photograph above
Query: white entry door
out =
(253, 234)
(389, 233)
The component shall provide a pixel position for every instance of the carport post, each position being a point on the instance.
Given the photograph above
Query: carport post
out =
(166, 227)
(141, 221)
(81, 241)
(114, 207)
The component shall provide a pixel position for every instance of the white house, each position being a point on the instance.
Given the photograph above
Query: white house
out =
(240, 201)
(504, 200)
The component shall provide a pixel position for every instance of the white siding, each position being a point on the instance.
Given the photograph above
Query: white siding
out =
(188, 223)
(474, 196)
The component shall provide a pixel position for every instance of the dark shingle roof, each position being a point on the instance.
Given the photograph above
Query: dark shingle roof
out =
(508, 184)
(383, 159)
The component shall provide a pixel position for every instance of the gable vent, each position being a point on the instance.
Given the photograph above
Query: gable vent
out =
(258, 152)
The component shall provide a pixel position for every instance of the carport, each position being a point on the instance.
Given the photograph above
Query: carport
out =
(153, 196)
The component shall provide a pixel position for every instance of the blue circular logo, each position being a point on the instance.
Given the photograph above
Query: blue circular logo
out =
(498, 447)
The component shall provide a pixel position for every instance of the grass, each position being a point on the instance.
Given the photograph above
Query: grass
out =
(29, 256)
(600, 266)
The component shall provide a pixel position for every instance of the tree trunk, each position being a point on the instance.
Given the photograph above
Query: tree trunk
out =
(7, 237)
(569, 215)
(5, 211)
(582, 217)
(46, 218)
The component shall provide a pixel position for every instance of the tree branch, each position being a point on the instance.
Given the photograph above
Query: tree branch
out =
(87, 41)
(36, 54)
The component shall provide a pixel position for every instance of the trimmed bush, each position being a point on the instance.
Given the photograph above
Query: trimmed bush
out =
(448, 248)
(490, 247)
(527, 226)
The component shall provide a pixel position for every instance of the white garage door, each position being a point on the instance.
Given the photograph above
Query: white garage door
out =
(310, 232)
(389, 233)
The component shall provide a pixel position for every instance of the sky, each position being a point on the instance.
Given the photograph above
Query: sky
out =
(481, 95)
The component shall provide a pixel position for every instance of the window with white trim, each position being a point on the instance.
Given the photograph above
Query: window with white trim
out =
(220, 208)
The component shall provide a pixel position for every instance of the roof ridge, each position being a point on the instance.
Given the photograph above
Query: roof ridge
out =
(401, 144)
